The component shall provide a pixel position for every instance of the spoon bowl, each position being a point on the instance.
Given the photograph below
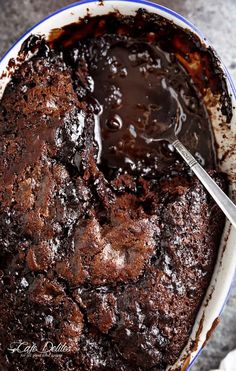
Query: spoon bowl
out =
(222, 200)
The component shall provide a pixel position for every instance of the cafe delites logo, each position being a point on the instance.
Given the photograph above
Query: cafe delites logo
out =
(48, 349)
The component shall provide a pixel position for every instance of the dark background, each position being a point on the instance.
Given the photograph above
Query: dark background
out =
(217, 19)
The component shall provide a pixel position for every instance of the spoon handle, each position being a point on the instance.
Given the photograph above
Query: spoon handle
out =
(223, 201)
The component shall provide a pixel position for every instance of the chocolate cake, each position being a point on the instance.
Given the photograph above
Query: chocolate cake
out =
(107, 243)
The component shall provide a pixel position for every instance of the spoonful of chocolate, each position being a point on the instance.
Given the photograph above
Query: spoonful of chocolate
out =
(222, 200)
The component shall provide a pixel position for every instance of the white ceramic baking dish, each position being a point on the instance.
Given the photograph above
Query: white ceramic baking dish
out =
(223, 276)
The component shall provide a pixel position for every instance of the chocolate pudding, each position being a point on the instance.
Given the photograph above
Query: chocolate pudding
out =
(107, 242)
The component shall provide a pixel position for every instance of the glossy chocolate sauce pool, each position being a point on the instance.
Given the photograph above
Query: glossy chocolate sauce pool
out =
(141, 75)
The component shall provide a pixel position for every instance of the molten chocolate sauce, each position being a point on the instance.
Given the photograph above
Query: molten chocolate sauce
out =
(140, 77)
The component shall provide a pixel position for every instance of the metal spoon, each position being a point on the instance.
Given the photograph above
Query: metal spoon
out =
(222, 200)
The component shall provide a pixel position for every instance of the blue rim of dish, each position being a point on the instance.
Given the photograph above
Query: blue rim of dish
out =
(175, 15)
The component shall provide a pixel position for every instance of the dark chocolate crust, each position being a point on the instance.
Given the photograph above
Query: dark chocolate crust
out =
(113, 262)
